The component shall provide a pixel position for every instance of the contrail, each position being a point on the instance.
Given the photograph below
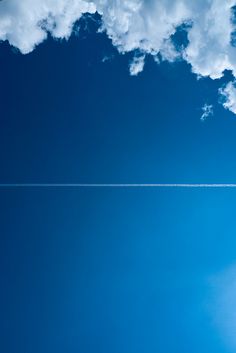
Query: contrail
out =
(80, 185)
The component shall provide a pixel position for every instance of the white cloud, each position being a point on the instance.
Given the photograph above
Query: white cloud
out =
(25, 23)
(207, 111)
(143, 25)
(136, 65)
(228, 96)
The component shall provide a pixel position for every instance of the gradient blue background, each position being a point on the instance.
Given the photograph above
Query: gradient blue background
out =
(110, 271)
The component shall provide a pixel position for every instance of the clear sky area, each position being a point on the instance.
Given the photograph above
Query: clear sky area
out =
(114, 270)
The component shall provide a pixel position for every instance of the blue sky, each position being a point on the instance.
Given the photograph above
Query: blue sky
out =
(103, 270)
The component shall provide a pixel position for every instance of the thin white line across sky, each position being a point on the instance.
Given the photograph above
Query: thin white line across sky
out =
(125, 185)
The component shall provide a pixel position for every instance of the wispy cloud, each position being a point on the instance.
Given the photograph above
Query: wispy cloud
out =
(207, 111)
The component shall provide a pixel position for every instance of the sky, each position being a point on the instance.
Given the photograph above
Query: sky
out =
(107, 98)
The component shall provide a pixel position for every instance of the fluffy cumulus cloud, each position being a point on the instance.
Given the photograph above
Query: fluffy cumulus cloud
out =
(228, 96)
(144, 26)
(25, 23)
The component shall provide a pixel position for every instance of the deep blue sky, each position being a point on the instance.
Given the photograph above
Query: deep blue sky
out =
(110, 271)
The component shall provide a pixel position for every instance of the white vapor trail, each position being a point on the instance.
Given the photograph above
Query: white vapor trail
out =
(80, 185)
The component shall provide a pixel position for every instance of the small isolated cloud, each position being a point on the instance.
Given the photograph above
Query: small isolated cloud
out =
(228, 96)
(107, 58)
(137, 65)
(207, 111)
